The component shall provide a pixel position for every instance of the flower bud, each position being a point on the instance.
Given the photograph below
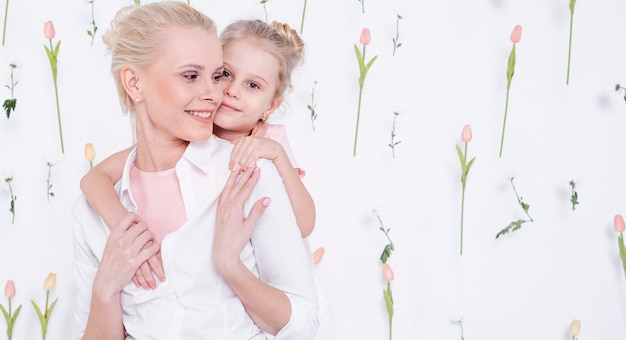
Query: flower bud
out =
(318, 254)
(466, 136)
(9, 289)
(618, 223)
(50, 282)
(574, 328)
(365, 36)
(90, 152)
(387, 272)
(48, 30)
(516, 35)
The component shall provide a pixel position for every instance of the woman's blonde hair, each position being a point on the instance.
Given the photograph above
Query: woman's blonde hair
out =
(134, 37)
(278, 39)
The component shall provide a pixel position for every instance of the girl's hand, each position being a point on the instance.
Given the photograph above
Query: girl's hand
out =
(249, 149)
(232, 230)
(129, 245)
(143, 277)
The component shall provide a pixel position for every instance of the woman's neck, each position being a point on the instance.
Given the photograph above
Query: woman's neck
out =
(155, 153)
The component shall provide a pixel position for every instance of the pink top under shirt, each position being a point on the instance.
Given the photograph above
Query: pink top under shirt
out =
(159, 201)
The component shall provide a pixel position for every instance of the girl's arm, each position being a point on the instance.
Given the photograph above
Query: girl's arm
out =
(248, 149)
(98, 187)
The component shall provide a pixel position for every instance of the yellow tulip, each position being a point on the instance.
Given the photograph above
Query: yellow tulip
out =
(574, 328)
(50, 282)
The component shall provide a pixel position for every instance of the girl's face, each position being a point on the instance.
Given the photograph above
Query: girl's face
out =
(180, 92)
(250, 80)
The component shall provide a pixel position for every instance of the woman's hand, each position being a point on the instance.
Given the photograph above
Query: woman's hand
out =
(143, 277)
(249, 149)
(232, 230)
(129, 245)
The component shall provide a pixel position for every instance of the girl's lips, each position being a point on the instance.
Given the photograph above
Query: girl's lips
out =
(228, 107)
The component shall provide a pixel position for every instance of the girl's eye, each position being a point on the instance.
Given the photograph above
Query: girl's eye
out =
(253, 85)
(226, 74)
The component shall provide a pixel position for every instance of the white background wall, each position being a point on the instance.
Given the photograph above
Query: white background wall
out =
(450, 71)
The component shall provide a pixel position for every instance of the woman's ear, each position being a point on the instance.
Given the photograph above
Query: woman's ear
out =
(130, 81)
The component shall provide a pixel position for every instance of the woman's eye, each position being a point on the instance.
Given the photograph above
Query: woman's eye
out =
(191, 76)
(217, 76)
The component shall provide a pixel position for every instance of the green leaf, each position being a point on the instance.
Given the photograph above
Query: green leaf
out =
(17, 311)
(622, 251)
(461, 158)
(56, 49)
(359, 58)
(9, 105)
(511, 67)
(51, 307)
(388, 300)
(6, 314)
(513, 226)
(386, 253)
(42, 319)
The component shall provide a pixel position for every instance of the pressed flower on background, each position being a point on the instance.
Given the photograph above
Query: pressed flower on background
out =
(619, 227)
(466, 137)
(44, 317)
(9, 315)
(53, 53)
(363, 69)
(516, 36)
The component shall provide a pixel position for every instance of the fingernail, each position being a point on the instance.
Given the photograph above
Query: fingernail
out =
(266, 201)
(235, 168)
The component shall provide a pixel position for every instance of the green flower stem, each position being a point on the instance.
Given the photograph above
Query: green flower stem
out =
(56, 93)
(302, 21)
(358, 116)
(6, 13)
(571, 25)
(506, 109)
(463, 205)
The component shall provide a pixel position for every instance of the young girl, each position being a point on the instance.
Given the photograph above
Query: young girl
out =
(258, 61)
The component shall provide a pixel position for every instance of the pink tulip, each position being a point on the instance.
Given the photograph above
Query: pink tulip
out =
(516, 35)
(387, 272)
(48, 30)
(618, 223)
(365, 36)
(9, 289)
(318, 254)
(466, 136)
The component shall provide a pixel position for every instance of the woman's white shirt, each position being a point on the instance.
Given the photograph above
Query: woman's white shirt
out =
(195, 302)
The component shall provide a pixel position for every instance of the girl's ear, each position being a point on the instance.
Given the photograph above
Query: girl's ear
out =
(130, 81)
(275, 104)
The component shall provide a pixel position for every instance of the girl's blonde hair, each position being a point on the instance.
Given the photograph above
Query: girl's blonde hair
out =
(278, 39)
(134, 37)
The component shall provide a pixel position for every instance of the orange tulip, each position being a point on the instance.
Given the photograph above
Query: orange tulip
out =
(516, 35)
(366, 36)
(48, 30)
(466, 136)
(9, 289)
(618, 223)
(387, 272)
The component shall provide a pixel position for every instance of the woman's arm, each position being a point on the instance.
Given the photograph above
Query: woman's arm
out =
(248, 149)
(97, 186)
(128, 245)
(282, 300)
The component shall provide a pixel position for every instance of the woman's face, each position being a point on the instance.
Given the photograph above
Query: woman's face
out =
(180, 92)
(250, 80)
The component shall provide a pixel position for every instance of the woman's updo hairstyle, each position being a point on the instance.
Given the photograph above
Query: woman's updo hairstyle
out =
(278, 39)
(134, 39)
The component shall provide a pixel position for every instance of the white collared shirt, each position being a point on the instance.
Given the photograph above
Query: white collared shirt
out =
(195, 302)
